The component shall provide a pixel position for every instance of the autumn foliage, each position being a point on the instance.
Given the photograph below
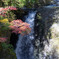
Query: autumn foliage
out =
(18, 26)
(3, 39)
(3, 11)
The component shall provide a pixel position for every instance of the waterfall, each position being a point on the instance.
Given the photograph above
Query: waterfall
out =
(54, 3)
(24, 49)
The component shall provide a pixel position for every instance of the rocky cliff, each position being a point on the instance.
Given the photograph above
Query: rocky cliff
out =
(47, 33)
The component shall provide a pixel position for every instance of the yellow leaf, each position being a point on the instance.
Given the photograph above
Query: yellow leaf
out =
(4, 20)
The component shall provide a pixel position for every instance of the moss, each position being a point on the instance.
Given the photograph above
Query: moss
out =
(39, 17)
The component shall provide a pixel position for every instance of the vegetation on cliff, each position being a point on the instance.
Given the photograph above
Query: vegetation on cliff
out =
(8, 23)
(25, 3)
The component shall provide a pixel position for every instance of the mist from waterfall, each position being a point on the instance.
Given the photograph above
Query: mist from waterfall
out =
(25, 49)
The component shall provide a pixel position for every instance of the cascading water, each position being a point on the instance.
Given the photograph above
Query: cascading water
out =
(54, 3)
(24, 49)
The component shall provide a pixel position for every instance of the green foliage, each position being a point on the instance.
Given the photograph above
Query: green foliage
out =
(1, 3)
(5, 30)
(7, 51)
(16, 3)
(7, 46)
(1, 17)
(10, 16)
(4, 27)
(39, 16)
(22, 3)
(32, 3)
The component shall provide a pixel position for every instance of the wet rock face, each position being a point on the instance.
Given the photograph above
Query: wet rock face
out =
(46, 30)
(43, 22)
